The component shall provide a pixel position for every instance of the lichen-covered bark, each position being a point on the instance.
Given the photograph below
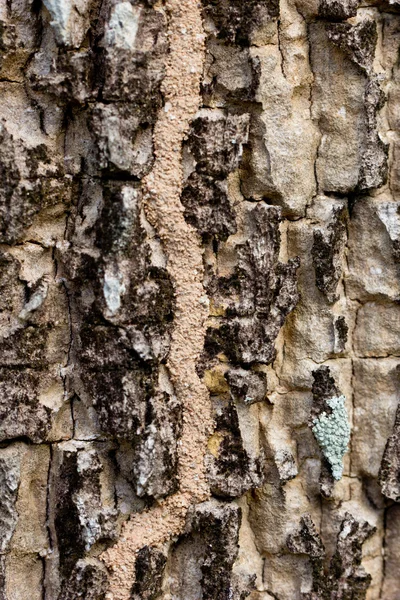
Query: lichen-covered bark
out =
(199, 295)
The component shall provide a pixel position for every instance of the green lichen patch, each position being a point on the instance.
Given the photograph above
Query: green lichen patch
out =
(333, 434)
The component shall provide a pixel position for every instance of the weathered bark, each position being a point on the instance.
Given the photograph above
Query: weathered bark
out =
(199, 300)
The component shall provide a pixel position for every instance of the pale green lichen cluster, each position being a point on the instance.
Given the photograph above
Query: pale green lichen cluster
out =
(333, 434)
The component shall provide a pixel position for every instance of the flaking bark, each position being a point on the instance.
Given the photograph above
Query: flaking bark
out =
(200, 232)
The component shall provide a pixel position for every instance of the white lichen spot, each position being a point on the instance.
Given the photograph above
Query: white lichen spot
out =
(36, 300)
(147, 461)
(91, 528)
(204, 301)
(123, 26)
(60, 12)
(86, 461)
(113, 289)
(333, 434)
(389, 214)
(375, 270)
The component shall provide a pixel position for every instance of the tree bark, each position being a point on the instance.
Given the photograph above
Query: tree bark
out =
(199, 300)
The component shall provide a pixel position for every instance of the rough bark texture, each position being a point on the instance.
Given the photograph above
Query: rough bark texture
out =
(199, 263)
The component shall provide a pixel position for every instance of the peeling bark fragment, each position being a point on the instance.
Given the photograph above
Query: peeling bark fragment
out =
(69, 22)
(152, 465)
(149, 569)
(202, 560)
(8, 38)
(347, 574)
(358, 41)
(389, 214)
(327, 253)
(78, 519)
(124, 138)
(346, 579)
(69, 78)
(124, 306)
(134, 291)
(286, 465)
(236, 21)
(230, 469)
(125, 414)
(396, 250)
(26, 347)
(215, 142)
(207, 206)
(34, 340)
(10, 291)
(134, 68)
(232, 75)
(338, 10)
(323, 389)
(10, 466)
(20, 30)
(29, 182)
(308, 541)
(374, 159)
(21, 413)
(264, 292)
(365, 164)
(389, 474)
(88, 581)
(341, 331)
(26, 353)
(131, 410)
(247, 386)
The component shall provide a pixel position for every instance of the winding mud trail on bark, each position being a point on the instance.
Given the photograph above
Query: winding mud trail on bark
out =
(162, 188)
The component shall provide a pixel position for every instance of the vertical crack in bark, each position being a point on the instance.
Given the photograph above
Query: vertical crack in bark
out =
(384, 557)
(182, 244)
(311, 108)
(352, 382)
(352, 334)
(48, 528)
(279, 43)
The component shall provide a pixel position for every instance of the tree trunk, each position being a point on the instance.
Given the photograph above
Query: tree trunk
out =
(199, 300)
